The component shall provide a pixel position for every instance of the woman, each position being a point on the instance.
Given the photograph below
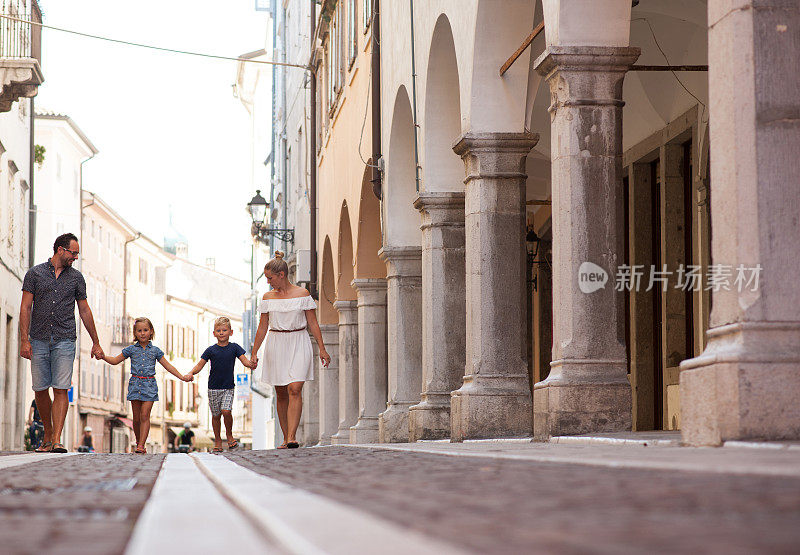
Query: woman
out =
(288, 314)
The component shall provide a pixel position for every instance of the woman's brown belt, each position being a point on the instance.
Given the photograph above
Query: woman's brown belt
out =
(286, 331)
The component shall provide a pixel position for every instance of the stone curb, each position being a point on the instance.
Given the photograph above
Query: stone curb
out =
(307, 523)
(176, 517)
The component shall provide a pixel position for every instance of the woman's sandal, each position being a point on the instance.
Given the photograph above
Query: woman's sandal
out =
(292, 445)
(282, 446)
(140, 450)
(58, 448)
(45, 447)
(233, 445)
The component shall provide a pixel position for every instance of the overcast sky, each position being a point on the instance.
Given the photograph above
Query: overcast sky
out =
(168, 128)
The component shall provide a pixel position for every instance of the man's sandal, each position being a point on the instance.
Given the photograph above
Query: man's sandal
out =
(58, 448)
(217, 450)
(233, 445)
(45, 447)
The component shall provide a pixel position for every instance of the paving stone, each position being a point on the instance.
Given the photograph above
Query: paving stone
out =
(84, 504)
(511, 506)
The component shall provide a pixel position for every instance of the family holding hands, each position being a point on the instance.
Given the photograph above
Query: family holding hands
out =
(48, 335)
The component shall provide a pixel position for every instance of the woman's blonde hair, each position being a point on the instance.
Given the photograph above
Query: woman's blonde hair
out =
(277, 264)
(143, 320)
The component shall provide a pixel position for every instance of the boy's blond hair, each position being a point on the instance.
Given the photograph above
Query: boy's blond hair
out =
(223, 321)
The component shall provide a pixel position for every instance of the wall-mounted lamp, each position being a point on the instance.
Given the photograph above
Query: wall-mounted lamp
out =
(258, 207)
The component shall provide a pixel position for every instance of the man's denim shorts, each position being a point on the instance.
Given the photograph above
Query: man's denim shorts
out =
(51, 363)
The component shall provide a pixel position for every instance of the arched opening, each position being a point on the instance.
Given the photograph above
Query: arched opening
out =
(327, 294)
(367, 264)
(444, 170)
(344, 288)
(497, 104)
(402, 221)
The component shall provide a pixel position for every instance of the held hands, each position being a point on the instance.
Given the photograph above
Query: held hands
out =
(188, 377)
(97, 352)
(253, 361)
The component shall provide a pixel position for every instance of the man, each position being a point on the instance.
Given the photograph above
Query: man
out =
(34, 425)
(47, 333)
(87, 444)
(185, 438)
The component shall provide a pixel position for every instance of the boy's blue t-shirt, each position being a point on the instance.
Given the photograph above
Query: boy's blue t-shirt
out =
(222, 361)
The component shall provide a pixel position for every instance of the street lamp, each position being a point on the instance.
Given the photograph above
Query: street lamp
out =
(258, 207)
(532, 244)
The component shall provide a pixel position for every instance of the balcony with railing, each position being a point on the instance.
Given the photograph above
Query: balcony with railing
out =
(20, 51)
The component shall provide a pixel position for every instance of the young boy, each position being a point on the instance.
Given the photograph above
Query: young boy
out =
(223, 357)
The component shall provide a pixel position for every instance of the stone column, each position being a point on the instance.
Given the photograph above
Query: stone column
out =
(372, 370)
(495, 398)
(587, 389)
(311, 402)
(329, 385)
(443, 316)
(348, 369)
(404, 345)
(746, 383)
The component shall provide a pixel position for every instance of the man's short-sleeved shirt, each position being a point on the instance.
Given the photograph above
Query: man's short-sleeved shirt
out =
(186, 437)
(223, 359)
(53, 312)
(143, 359)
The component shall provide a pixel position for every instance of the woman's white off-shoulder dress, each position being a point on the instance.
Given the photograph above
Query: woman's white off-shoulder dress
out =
(288, 356)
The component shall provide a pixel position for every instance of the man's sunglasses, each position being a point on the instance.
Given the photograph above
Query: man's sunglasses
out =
(73, 253)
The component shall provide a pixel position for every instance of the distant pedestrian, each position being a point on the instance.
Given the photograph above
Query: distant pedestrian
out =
(47, 333)
(142, 386)
(87, 444)
(184, 441)
(221, 386)
(288, 313)
(35, 426)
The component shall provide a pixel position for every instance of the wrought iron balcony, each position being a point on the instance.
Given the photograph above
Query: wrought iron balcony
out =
(20, 51)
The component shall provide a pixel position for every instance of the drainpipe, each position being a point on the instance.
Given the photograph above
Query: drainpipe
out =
(376, 100)
(125, 275)
(414, 97)
(272, 123)
(284, 141)
(31, 205)
(312, 145)
(81, 208)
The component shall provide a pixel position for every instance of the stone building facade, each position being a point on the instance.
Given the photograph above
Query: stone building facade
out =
(15, 165)
(20, 77)
(598, 238)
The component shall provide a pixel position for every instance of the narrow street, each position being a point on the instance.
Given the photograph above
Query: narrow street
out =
(393, 277)
(429, 497)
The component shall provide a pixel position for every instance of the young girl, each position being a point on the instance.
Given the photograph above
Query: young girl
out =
(142, 387)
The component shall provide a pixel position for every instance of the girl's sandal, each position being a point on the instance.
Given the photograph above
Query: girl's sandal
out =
(44, 447)
(233, 445)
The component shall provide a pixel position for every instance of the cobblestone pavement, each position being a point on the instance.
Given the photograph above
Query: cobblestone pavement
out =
(80, 504)
(511, 506)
